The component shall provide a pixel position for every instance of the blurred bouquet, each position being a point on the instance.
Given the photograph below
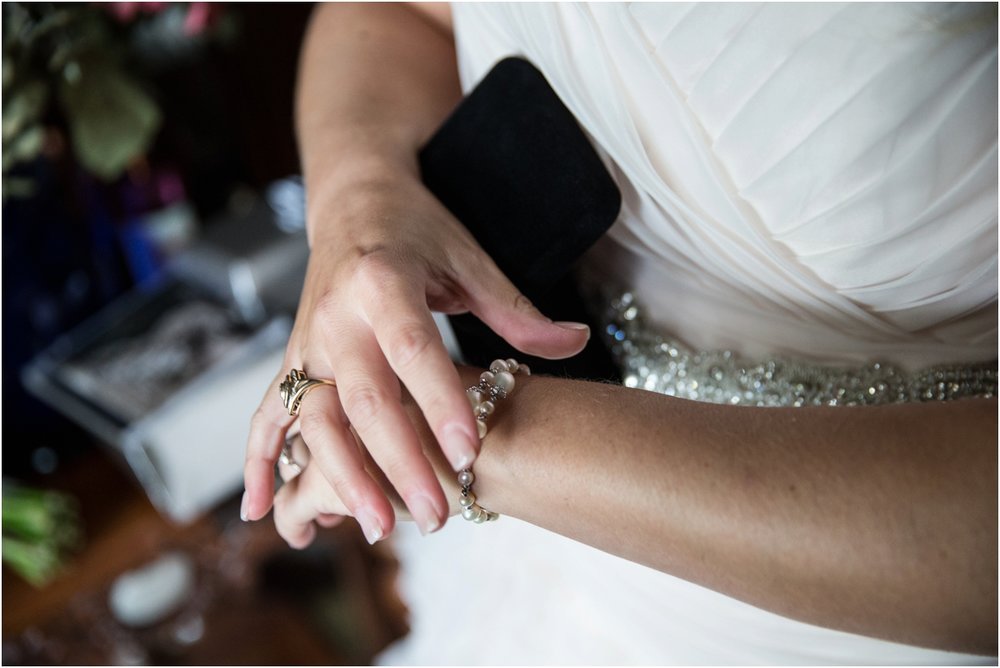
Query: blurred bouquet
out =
(39, 529)
(82, 61)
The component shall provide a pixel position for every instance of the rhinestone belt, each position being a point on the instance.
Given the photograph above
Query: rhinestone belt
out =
(653, 362)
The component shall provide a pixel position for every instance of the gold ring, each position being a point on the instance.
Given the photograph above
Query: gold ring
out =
(294, 388)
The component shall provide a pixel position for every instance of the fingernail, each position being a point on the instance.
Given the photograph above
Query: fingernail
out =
(245, 507)
(459, 447)
(370, 525)
(423, 513)
(573, 326)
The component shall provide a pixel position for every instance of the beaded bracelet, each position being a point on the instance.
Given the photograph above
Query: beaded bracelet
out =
(493, 385)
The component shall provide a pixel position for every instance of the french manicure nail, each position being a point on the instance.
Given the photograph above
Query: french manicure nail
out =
(245, 507)
(423, 513)
(574, 326)
(459, 448)
(370, 525)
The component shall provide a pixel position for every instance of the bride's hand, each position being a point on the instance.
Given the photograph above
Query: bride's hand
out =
(384, 253)
(307, 499)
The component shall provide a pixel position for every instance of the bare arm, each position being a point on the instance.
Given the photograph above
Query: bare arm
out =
(876, 520)
(375, 81)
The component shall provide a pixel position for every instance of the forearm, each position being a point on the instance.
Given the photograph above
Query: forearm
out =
(375, 81)
(875, 520)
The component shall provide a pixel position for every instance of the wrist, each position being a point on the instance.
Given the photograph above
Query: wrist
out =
(342, 189)
(506, 439)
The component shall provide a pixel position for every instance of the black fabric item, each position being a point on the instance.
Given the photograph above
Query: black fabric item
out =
(514, 167)
(480, 345)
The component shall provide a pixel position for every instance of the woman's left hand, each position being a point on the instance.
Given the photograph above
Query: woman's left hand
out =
(307, 498)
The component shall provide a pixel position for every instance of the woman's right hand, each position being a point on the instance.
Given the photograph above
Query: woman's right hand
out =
(384, 254)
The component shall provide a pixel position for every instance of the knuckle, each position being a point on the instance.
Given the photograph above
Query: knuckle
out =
(252, 464)
(327, 306)
(313, 424)
(443, 409)
(259, 419)
(373, 273)
(399, 466)
(347, 488)
(363, 405)
(523, 304)
(334, 486)
(408, 344)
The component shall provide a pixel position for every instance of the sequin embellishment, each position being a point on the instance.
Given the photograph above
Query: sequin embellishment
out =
(653, 362)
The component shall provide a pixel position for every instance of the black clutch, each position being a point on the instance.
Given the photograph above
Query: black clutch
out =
(512, 164)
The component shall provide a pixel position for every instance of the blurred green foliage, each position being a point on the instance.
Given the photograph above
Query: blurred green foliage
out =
(39, 529)
(70, 55)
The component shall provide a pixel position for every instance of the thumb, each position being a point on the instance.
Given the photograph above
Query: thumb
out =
(493, 299)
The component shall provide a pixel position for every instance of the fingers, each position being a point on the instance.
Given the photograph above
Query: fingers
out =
(405, 331)
(384, 329)
(494, 300)
(370, 396)
(268, 426)
(334, 452)
(306, 499)
(300, 456)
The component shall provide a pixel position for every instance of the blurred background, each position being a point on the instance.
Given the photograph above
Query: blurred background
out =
(153, 254)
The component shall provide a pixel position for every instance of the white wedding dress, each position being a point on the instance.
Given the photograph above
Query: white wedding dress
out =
(816, 182)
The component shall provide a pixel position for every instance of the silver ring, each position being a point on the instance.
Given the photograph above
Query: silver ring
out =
(289, 461)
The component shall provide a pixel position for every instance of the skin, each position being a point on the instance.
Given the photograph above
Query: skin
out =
(875, 520)
(376, 81)
(880, 521)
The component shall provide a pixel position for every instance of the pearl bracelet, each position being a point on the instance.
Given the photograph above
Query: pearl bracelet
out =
(493, 385)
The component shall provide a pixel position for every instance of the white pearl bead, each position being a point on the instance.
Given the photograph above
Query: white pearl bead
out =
(481, 427)
(466, 501)
(471, 513)
(475, 398)
(466, 478)
(481, 517)
(487, 377)
(505, 382)
(525, 370)
(487, 407)
(512, 365)
(498, 365)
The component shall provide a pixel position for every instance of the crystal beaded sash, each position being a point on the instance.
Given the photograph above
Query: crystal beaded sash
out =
(660, 364)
